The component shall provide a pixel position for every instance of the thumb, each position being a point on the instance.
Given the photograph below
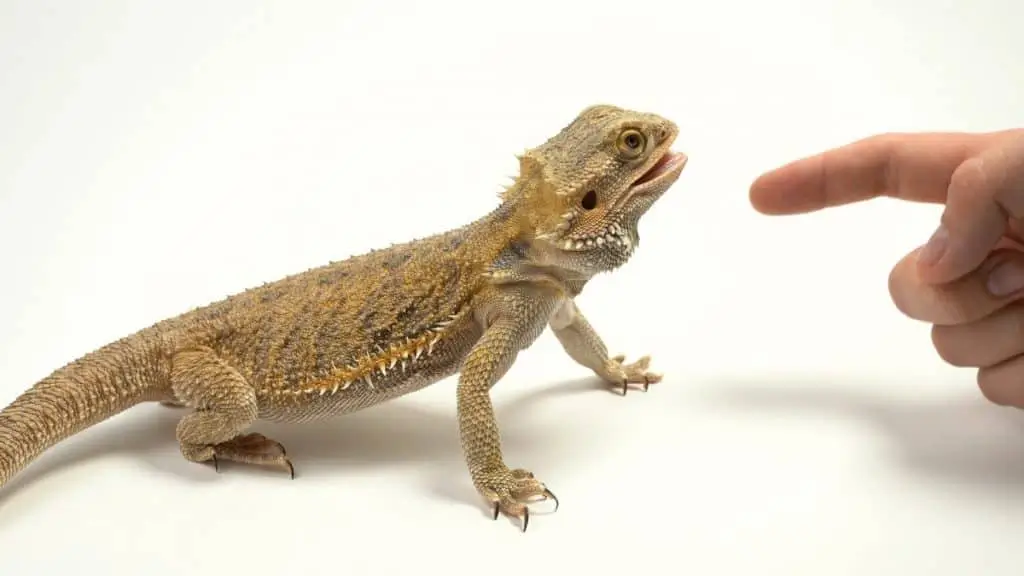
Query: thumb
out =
(997, 282)
(984, 193)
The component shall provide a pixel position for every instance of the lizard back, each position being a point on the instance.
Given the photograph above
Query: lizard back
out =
(382, 323)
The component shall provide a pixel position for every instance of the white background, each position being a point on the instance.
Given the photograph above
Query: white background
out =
(155, 156)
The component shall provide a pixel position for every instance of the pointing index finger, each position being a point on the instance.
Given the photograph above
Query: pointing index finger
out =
(914, 167)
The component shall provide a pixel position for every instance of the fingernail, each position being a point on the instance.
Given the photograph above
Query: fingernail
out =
(1007, 278)
(935, 247)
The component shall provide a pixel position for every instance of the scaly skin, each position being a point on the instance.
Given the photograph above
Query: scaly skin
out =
(351, 334)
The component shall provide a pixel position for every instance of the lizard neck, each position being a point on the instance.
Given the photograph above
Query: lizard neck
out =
(503, 242)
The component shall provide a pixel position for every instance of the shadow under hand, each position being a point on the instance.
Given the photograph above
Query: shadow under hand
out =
(965, 439)
(394, 434)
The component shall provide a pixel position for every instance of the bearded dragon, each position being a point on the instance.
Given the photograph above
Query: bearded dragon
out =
(358, 332)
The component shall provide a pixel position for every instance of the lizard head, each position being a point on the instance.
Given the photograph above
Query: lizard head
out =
(581, 193)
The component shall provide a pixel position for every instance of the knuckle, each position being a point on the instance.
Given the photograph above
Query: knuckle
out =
(900, 289)
(893, 284)
(944, 305)
(989, 385)
(949, 347)
(956, 309)
(1003, 385)
(1016, 331)
(969, 178)
(885, 141)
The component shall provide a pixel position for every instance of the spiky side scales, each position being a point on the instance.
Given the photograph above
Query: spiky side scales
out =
(358, 332)
(292, 340)
(361, 331)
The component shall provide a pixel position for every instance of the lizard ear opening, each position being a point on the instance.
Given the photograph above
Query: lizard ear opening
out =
(589, 200)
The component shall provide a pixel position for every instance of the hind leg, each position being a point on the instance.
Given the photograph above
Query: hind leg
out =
(225, 408)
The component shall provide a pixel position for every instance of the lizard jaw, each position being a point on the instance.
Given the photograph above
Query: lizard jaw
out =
(661, 174)
(658, 178)
(614, 235)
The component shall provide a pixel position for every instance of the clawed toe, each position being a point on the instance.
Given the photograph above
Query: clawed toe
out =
(635, 373)
(514, 491)
(254, 449)
(257, 443)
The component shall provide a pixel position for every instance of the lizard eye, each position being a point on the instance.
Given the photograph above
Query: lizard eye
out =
(631, 142)
(589, 200)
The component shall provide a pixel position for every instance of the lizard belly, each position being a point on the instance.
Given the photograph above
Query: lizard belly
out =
(334, 396)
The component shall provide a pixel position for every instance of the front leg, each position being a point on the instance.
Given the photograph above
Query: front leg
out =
(513, 325)
(584, 345)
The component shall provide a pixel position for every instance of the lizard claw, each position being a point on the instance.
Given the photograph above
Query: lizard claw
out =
(549, 495)
(255, 449)
(635, 373)
(511, 491)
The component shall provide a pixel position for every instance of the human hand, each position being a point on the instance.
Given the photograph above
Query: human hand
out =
(968, 280)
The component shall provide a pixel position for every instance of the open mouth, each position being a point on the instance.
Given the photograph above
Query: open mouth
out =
(667, 167)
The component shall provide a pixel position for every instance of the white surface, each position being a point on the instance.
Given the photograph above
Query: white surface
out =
(155, 156)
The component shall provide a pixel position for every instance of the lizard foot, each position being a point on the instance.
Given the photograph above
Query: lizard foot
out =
(511, 491)
(625, 374)
(256, 449)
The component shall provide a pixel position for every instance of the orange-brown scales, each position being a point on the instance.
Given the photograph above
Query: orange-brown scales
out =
(379, 325)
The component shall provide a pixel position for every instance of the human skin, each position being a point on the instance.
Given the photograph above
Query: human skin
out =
(968, 279)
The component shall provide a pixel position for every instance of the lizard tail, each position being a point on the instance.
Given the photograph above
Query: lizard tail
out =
(81, 394)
